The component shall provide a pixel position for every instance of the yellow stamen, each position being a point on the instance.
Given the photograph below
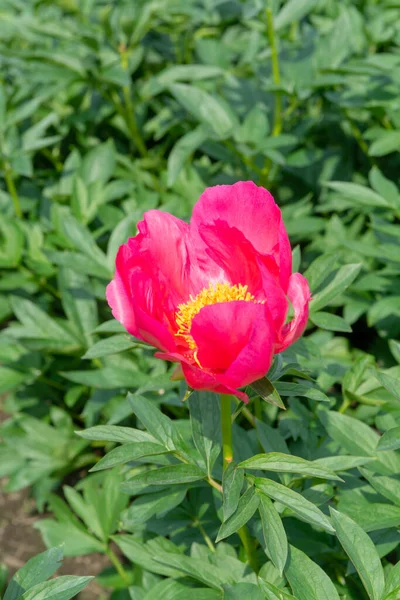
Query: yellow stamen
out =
(214, 294)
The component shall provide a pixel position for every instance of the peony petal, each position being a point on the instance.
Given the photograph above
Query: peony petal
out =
(222, 330)
(285, 257)
(228, 248)
(164, 243)
(249, 208)
(120, 303)
(254, 361)
(299, 295)
(200, 380)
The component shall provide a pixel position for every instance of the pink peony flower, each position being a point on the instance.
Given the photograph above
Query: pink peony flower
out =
(213, 294)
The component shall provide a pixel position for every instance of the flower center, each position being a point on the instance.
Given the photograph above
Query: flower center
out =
(214, 294)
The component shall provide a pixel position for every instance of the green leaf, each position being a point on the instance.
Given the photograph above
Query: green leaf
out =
(159, 425)
(205, 419)
(115, 433)
(307, 580)
(388, 487)
(358, 194)
(99, 163)
(283, 463)
(293, 10)
(272, 592)
(246, 508)
(267, 391)
(139, 554)
(39, 324)
(196, 568)
(175, 474)
(37, 569)
(61, 588)
(362, 553)
(207, 109)
(82, 240)
(390, 383)
(341, 281)
(77, 542)
(111, 345)
(232, 483)
(275, 540)
(11, 243)
(390, 439)
(353, 435)
(304, 509)
(343, 462)
(243, 591)
(182, 151)
(330, 322)
(78, 302)
(127, 453)
(387, 142)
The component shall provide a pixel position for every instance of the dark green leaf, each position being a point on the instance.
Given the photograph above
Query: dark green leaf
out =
(361, 550)
(246, 508)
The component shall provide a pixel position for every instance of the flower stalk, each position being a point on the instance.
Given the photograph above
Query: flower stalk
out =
(227, 456)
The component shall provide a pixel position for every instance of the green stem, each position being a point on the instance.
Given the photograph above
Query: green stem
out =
(248, 546)
(118, 565)
(275, 73)
(227, 454)
(226, 428)
(12, 190)
(131, 121)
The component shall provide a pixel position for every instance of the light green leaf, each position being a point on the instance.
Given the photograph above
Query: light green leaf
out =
(171, 475)
(111, 345)
(283, 463)
(37, 569)
(293, 10)
(115, 433)
(330, 322)
(182, 151)
(387, 142)
(207, 109)
(127, 453)
(61, 588)
(390, 439)
(358, 193)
